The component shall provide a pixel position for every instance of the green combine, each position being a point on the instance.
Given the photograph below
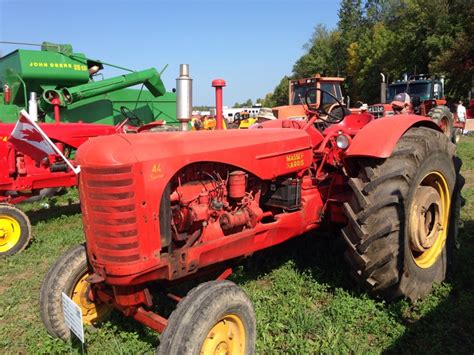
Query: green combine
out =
(70, 83)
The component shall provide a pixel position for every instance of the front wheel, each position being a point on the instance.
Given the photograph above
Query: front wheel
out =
(216, 317)
(15, 230)
(457, 134)
(399, 216)
(69, 275)
(443, 118)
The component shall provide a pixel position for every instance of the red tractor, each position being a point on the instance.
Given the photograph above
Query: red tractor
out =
(427, 98)
(159, 211)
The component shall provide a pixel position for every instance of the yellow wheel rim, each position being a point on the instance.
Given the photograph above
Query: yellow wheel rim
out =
(10, 232)
(91, 312)
(428, 220)
(227, 336)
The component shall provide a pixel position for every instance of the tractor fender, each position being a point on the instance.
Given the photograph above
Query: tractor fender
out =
(379, 138)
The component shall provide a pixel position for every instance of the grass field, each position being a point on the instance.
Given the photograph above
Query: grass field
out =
(304, 299)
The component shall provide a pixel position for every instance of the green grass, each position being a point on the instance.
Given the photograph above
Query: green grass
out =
(303, 297)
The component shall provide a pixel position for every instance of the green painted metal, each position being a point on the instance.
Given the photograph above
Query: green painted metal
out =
(56, 71)
(105, 109)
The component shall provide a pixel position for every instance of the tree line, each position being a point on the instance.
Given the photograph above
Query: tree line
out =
(393, 37)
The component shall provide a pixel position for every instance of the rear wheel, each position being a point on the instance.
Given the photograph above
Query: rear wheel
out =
(443, 118)
(69, 275)
(15, 230)
(399, 216)
(214, 318)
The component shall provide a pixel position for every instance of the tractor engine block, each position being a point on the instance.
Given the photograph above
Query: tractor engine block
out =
(211, 206)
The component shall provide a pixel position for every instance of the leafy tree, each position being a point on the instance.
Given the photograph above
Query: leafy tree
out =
(323, 55)
(280, 94)
(391, 37)
(268, 100)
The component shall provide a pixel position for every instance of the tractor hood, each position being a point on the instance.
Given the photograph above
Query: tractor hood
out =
(267, 153)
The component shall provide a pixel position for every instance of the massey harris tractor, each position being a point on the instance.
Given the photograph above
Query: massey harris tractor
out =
(159, 211)
(427, 99)
(22, 177)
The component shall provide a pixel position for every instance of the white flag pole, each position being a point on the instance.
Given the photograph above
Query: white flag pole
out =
(77, 169)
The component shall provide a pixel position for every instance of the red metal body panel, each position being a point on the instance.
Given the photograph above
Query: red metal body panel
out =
(351, 124)
(262, 152)
(379, 137)
(19, 173)
(470, 110)
(72, 134)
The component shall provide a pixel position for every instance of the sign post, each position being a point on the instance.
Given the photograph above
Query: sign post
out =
(73, 317)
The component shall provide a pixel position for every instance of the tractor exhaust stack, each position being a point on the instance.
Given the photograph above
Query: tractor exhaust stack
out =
(184, 96)
(383, 90)
(33, 106)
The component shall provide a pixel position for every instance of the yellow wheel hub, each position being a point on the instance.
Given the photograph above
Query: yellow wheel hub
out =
(91, 312)
(428, 220)
(227, 337)
(10, 232)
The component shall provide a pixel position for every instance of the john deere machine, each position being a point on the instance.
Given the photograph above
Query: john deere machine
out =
(56, 86)
(56, 71)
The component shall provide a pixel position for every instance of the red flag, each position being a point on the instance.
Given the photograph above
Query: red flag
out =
(28, 139)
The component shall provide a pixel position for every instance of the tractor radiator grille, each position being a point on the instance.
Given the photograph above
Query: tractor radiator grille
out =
(109, 214)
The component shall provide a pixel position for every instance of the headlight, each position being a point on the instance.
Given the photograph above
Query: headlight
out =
(342, 141)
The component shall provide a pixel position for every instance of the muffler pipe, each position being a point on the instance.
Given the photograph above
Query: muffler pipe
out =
(383, 90)
(184, 96)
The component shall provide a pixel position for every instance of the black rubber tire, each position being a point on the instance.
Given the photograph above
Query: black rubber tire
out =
(22, 219)
(438, 113)
(46, 193)
(378, 250)
(61, 277)
(457, 134)
(458, 203)
(197, 313)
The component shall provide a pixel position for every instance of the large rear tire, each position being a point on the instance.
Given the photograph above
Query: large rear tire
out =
(399, 216)
(215, 317)
(69, 275)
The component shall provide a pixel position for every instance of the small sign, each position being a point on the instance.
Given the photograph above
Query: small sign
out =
(73, 317)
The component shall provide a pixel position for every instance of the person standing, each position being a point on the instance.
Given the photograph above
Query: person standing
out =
(461, 110)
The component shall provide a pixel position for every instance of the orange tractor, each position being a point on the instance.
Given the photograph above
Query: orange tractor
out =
(297, 98)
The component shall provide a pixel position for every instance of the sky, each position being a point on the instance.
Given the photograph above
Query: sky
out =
(249, 44)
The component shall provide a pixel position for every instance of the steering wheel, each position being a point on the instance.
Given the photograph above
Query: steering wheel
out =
(130, 116)
(330, 117)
